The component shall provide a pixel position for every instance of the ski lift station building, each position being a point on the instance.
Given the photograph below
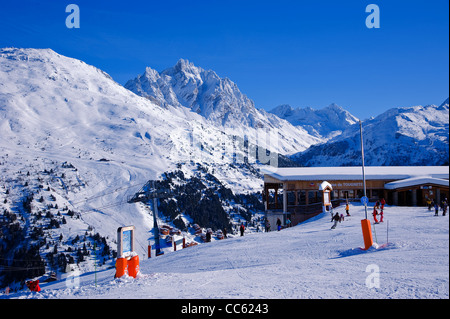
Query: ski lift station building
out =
(294, 192)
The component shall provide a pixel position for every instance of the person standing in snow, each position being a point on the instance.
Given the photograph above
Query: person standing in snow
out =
(336, 220)
(382, 202)
(444, 207)
(429, 204)
(267, 226)
(288, 222)
(436, 209)
(278, 224)
(347, 209)
(382, 215)
(375, 213)
(242, 229)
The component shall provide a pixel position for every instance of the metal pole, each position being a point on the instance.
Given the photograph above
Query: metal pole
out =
(362, 155)
(387, 232)
(95, 263)
(155, 226)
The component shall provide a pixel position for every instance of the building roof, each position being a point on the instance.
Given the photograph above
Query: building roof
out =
(388, 173)
(414, 181)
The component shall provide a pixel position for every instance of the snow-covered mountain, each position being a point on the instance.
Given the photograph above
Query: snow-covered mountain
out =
(417, 135)
(324, 123)
(218, 100)
(202, 91)
(75, 145)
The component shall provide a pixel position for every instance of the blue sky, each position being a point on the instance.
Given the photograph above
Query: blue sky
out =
(302, 53)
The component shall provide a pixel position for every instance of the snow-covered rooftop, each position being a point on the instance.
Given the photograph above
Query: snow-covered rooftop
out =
(355, 173)
(414, 181)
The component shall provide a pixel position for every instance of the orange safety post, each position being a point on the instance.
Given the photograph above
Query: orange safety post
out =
(121, 267)
(133, 266)
(367, 233)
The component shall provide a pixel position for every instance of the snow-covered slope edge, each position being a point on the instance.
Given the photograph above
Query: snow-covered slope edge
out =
(303, 262)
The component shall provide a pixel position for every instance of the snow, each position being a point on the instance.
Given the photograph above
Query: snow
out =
(305, 261)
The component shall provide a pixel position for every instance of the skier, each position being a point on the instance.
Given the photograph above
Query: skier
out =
(278, 224)
(347, 209)
(341, 218)
(33, 285)
(242, 229)
(429, 204)
(375, 213)
(436, 209)
(444, 207)
(288, 222)
(381, 213)
(336, 220)
(267, 226)
(383, 202)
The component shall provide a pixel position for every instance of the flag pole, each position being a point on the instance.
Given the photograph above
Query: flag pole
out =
(365, 223)
(363, 170)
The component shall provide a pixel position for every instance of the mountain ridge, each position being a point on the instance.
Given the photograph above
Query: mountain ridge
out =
(416, 135)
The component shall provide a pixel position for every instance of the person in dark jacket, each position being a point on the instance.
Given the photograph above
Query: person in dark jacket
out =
(242, 229)
(336, 220)
(278, 224)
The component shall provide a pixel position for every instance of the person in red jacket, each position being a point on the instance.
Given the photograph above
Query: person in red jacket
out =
(375, 213)
(33, 285)
(383, 202)
(242, 229)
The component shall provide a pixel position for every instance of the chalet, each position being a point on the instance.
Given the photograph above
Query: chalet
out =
(296, 192)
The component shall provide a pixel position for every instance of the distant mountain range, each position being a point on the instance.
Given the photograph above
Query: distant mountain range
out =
(325, 123)
(400, 136)
(416, 135)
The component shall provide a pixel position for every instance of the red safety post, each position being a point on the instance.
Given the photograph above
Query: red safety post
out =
(149, 251)
(133, 266)
(121, 267)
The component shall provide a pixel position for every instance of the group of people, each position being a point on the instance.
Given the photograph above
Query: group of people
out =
(378, 209)
(443, 206)
(279, 224)
(339, 218)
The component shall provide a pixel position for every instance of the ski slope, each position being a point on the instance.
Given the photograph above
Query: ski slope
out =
(305, 261)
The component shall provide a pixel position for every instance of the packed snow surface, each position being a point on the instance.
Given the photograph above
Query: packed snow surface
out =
(410, 260)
